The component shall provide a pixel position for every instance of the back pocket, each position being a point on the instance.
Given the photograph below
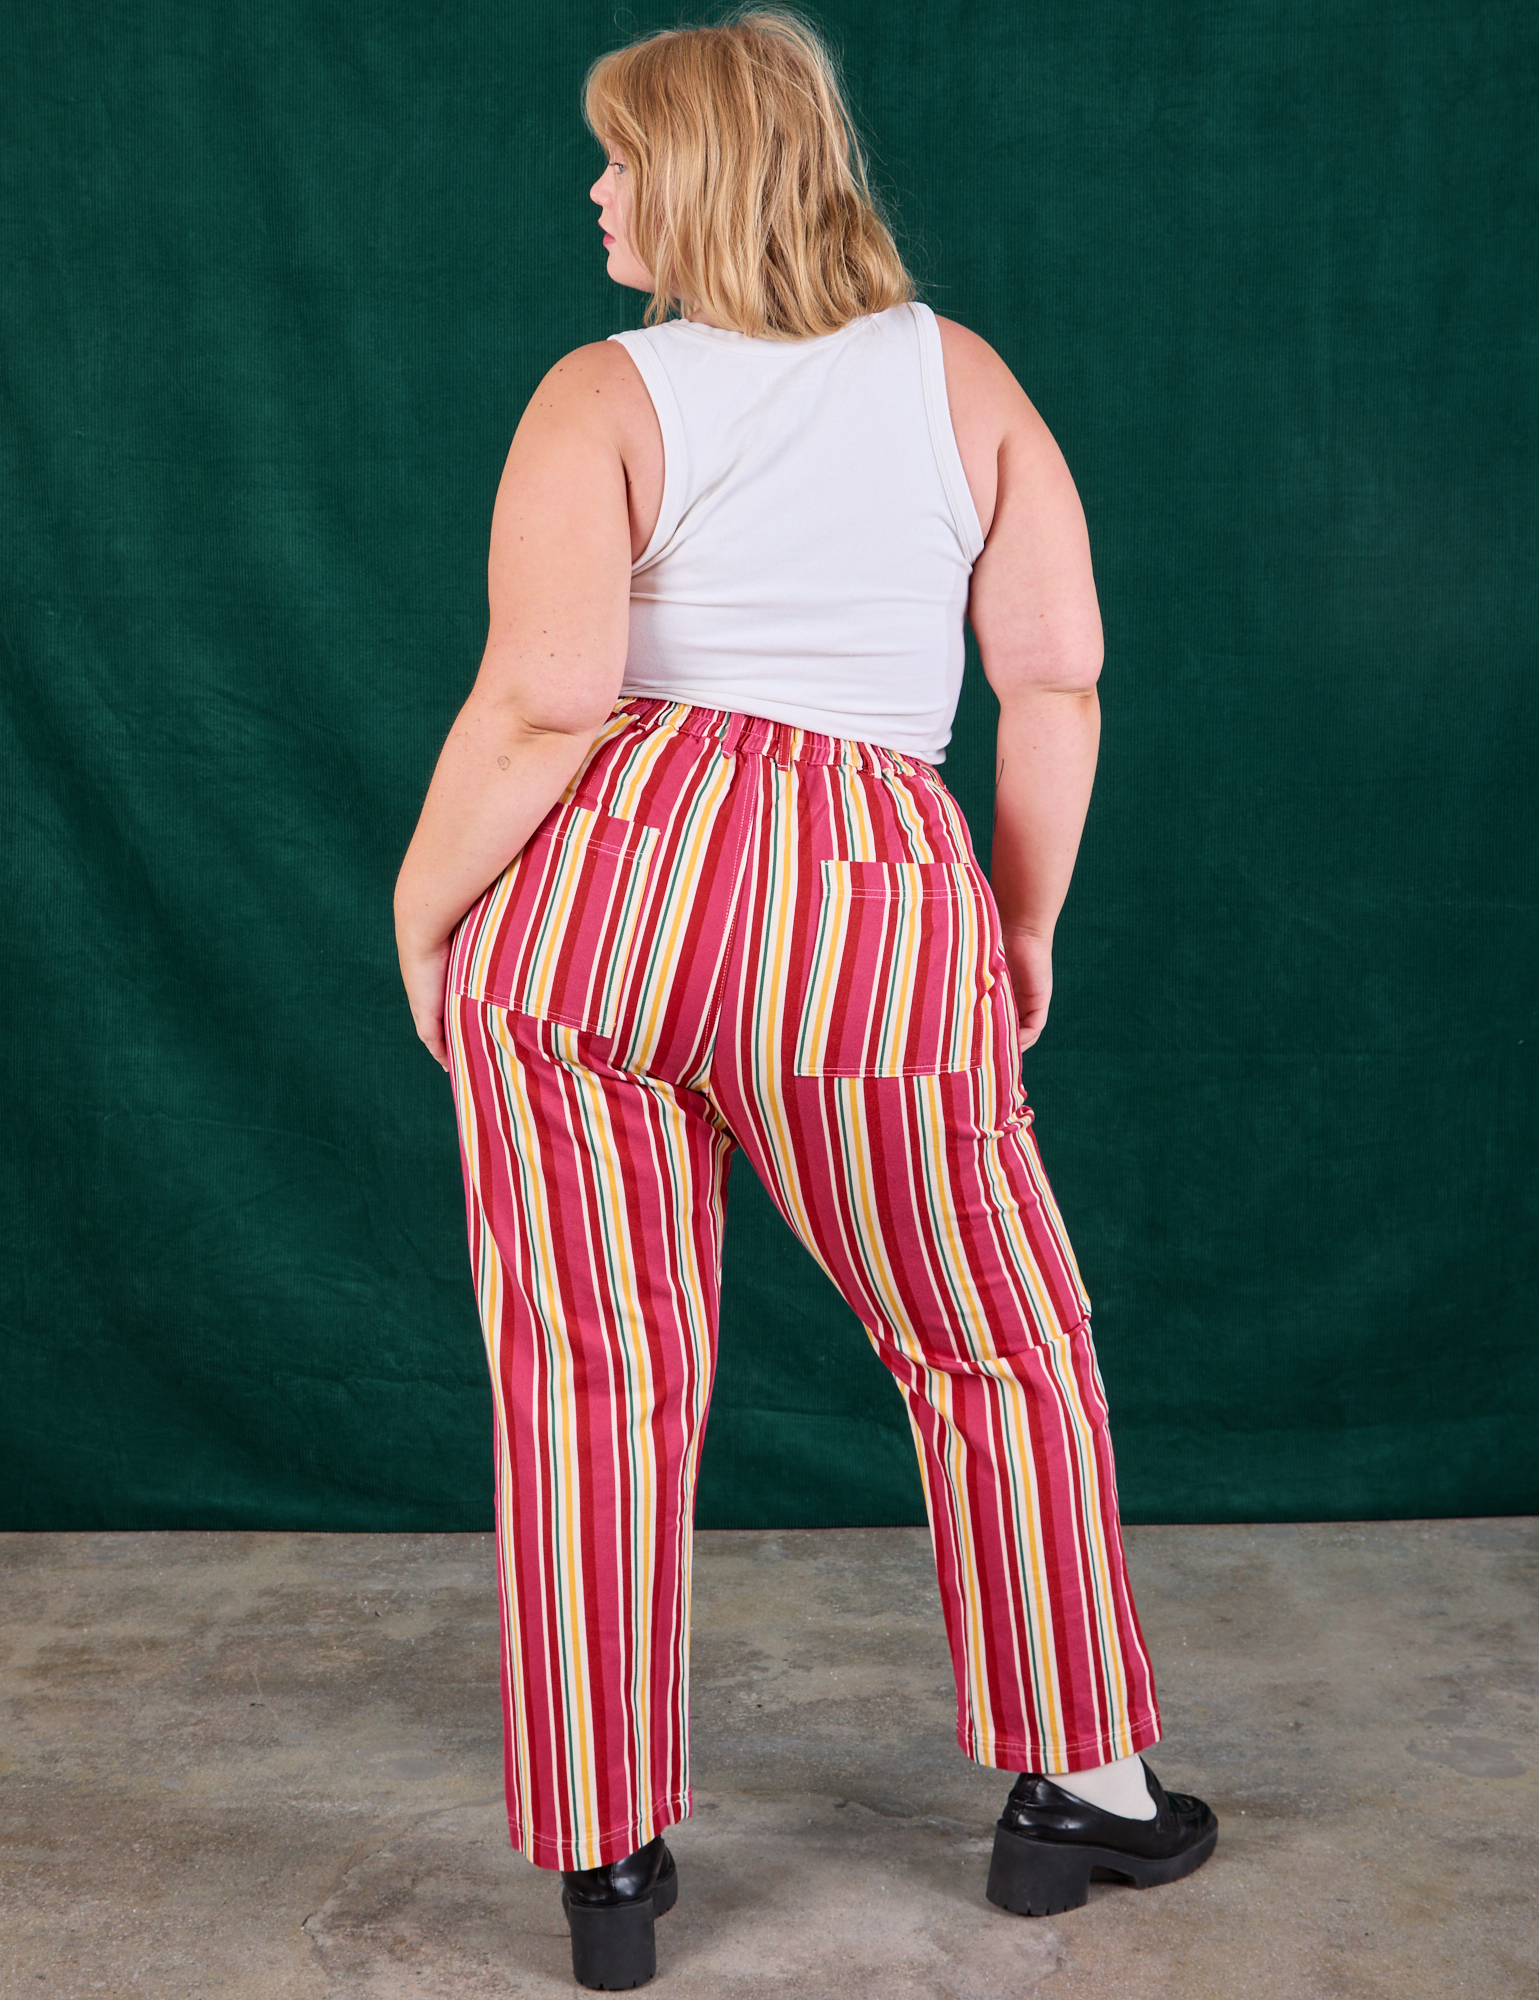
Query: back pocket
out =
(901, 965)
(555, 936)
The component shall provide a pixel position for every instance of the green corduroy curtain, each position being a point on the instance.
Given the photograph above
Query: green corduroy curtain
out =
(278, 282)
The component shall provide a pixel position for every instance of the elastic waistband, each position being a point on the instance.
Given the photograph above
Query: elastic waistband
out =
(757, 736)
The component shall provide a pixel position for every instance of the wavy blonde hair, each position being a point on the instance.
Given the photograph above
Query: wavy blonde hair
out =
(749, 197)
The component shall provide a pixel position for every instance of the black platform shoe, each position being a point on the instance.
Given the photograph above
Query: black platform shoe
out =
(1048, 1845)
(611, 1911)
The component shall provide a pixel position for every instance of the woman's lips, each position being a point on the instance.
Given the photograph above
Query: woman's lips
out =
(608, 240)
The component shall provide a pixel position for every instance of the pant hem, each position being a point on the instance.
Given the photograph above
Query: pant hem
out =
(1018, 1753)
(597, 1850)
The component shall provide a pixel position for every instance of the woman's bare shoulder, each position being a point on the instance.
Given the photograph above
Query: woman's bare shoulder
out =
(987, 405)
(597, 389)
(598, 380)
(596, 394)
(976, 374)
(997, 426)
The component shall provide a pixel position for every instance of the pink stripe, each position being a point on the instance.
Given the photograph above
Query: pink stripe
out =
(595, 1150)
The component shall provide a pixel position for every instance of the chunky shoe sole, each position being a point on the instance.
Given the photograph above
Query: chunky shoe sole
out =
(613, 1946)
(1038, 1878)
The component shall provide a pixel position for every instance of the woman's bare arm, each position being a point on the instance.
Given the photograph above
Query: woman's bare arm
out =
(1033, 609)
(558, 581)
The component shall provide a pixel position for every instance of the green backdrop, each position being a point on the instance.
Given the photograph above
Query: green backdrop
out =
(277, 283)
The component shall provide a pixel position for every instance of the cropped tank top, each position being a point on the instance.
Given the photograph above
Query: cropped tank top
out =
(811, 560)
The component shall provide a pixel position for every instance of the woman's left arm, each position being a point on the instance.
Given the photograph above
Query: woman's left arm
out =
(558, 580)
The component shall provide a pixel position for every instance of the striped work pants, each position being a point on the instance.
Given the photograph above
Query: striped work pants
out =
(735, 933)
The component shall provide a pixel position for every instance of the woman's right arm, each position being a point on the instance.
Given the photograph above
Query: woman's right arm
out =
(558, 581)
(1032, 606)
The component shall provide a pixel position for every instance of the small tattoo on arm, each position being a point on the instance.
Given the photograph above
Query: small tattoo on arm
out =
(502, 763)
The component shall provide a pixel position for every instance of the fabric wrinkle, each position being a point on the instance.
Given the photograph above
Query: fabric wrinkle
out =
(596, 1152)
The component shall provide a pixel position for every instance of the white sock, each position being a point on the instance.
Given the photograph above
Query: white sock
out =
(1116, 1788)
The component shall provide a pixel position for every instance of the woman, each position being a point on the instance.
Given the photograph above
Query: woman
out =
(686, 880)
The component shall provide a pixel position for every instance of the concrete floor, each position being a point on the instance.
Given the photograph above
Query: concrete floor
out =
(268, 1766)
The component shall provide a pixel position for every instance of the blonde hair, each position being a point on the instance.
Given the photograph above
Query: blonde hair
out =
(749, 197)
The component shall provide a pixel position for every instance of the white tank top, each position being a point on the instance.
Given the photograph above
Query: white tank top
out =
(811, 559)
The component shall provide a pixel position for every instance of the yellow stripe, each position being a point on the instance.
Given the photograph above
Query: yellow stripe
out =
(862, 795)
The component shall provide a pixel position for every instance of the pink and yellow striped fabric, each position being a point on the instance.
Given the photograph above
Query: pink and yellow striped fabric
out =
(734, 933)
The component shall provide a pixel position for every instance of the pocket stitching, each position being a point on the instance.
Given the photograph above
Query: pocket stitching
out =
(630, 846)
(828, 960)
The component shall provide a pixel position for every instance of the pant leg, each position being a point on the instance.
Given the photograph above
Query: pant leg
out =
(873, 1078)
(580, 999)
(595, 1207)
